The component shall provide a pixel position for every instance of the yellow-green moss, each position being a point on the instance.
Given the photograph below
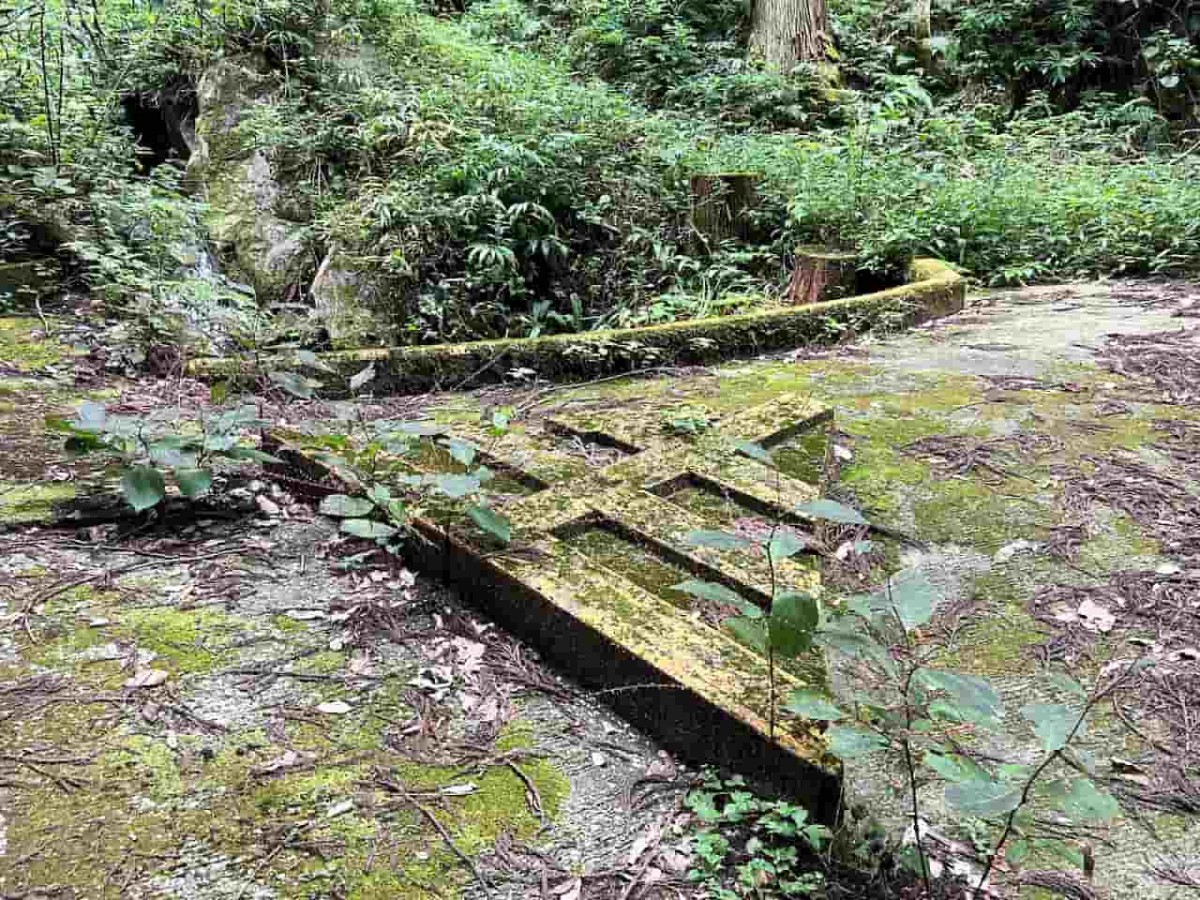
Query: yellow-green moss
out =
(27, 502)
(1118, 543)
(517, 735)
(966, 511)
(186, 641)
(1171, 827)
(141, 800)
(287, 624)
(998, 638)
(21, 350)
(91, 840)
(325, 662)
(937, 290)
(877, 476)
(420, 859)
(152, 763)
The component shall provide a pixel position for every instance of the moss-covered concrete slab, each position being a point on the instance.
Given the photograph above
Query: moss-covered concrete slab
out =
(1037, 477)
(999, 439)
(598, 549)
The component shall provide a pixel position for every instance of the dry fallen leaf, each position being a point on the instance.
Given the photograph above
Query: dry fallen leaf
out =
(638, 848)
(675, 862)
(1095, 617)
(147, 678)
(305, 615)
(568, 890)
(290, 760)
(269, 507)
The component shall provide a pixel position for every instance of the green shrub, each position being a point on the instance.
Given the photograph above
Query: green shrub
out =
(1034, 199)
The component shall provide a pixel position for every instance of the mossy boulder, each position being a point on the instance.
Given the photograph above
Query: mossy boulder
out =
(248, 202)
(344, 292)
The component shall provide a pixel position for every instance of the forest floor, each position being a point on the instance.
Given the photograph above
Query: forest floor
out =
(234, 707)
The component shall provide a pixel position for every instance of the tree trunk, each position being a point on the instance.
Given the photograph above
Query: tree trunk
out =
(721, 203)
(788, 32)
(821, 274)
(922, 32)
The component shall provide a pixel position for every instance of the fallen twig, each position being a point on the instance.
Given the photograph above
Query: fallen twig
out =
(397, 788)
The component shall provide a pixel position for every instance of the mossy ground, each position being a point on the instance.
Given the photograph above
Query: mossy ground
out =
(127, 788)
(1019, 448)
(25, 347)
(158, 786)
(25, 502)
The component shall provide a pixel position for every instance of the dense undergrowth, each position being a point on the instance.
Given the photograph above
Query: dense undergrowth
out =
(522, 166)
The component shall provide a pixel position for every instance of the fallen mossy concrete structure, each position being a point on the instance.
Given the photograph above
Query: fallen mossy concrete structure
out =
(613, 617)
(934, 290)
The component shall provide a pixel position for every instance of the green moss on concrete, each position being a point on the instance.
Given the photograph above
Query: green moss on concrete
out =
(24, 347)
(935, 290)
(406, 853)
(635, 561)
(878, 477)
(73, 726)
(186, 641)
(23, 503)
(90, 840)
(519, 734)
(151, 763)
(59, 646)
(326, 662)
(968, 512)
(498, 803)
(1118, 543)
(288, 625)
(998, 639)
(141, 800)
(1171, 827)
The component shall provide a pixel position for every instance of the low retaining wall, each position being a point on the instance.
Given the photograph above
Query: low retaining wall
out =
(934, 290)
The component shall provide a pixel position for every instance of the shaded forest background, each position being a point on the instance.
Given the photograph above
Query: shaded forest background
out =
(445, 170)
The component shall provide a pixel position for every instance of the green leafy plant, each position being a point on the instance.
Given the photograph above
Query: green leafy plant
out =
(748, 846)
(901, 703)
(784, 624)
(148, 449)
(380, 459)
(685, 424)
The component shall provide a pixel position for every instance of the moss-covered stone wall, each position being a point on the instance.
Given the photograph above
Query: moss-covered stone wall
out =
(934, 290)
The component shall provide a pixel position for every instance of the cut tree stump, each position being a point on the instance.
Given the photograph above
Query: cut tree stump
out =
(721, 205)
(821, 273)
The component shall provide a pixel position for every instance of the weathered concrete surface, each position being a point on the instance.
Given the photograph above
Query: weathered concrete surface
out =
(1013, 505)
(934, 290)
(1026, 421)
(263, 765)
(615, 621)
(225, 711)
(1034, 417)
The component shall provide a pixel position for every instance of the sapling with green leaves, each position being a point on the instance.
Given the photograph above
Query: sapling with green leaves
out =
(163, 443)
(782, 626)
(899, 702)
(376, 458)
